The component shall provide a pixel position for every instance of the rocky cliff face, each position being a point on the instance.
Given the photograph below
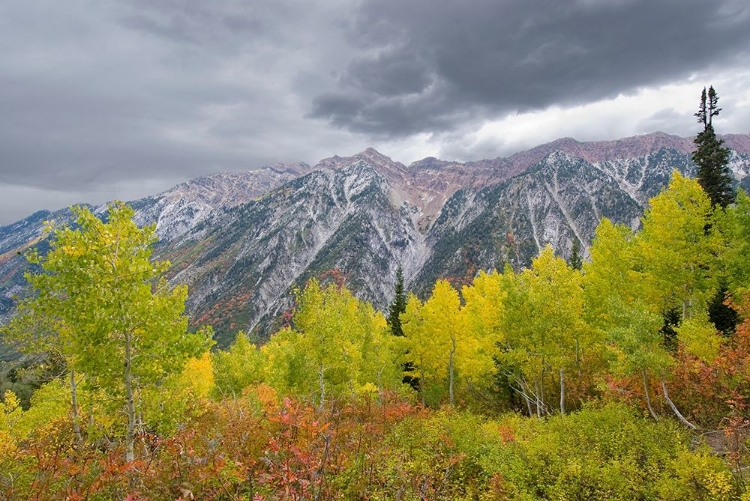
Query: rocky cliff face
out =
(338, 223)
(556, 202)
(180, 209)
(244, 241)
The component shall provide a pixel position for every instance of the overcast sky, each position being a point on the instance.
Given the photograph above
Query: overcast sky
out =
(103, 99)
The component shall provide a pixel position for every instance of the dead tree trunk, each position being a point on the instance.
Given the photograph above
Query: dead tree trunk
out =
(674, 407)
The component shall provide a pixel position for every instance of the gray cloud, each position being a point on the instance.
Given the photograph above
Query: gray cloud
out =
(119, 98)
(95, 93)
(483, 58)
(681, 123)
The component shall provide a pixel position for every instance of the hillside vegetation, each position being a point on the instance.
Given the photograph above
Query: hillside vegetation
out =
(628, 378)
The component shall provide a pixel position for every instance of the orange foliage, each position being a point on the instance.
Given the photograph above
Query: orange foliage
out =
(718, 393)
(254, 447)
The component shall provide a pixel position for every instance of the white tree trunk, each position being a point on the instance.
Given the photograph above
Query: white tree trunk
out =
(562, 391)
(74, 407)
(322, 388)
(130, 403)
(648, 396)
(674, 407)
(450, 370)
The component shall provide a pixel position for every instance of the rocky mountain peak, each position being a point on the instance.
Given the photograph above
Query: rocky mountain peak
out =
(430, 163)
(601, 151)
(178, 210)
(241, 240)
(372, 154)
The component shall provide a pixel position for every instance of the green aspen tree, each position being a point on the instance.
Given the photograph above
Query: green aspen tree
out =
(546, 333)
(483, 311)
(108, 312)
(676, 254)
(612, 304)
(445, 324)
(339, 345)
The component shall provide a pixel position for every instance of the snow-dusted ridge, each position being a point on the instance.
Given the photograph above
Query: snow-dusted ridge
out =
(242, 241)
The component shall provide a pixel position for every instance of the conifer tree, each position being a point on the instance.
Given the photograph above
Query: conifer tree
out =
(711, 157)
(716, 180)
(398, 305)
(576, 259)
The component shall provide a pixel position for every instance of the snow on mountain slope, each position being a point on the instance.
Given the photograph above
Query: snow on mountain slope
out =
(244, 241)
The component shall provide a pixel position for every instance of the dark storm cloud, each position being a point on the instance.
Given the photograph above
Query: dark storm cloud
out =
(431, 65)
(390, 73)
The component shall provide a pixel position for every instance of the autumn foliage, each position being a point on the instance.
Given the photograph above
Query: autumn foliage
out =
(550, 382)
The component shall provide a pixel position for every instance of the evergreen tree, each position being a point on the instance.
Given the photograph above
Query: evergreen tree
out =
(711, 157)
(724, 317)
(716, 180)
(576, 259)
(398, 305)
(395, 310)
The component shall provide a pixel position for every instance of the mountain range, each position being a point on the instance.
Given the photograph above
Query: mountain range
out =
(244, 241)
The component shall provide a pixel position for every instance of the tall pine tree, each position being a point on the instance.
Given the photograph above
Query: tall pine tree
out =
(575, 260)
(395, 310)
(398, 305)
(711, 157)
(715, 178)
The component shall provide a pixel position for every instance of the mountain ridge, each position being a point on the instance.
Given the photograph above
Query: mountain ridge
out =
(243, 242)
